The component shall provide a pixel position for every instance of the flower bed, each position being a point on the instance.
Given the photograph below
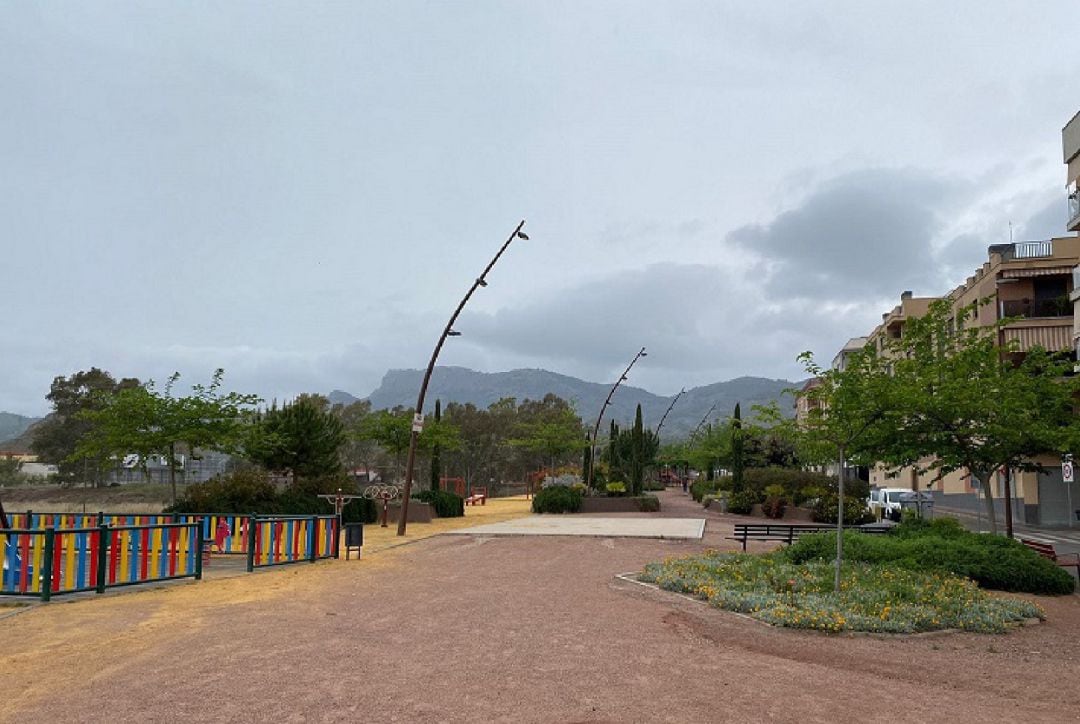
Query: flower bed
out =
(883, 599)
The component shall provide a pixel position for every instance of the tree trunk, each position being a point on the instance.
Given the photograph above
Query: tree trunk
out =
(839, 521)
(988, 496)
(1008, 503)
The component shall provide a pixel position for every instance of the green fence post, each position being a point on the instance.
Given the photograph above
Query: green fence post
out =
(100, 518)
(252, 526)
(102, 556)
(313, 549)
(47, 574)
(198, 548)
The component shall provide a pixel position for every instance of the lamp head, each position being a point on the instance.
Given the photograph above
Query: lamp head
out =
(453, 333)
(481, 282)
(523, 235)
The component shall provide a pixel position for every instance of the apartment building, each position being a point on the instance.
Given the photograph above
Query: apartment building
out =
(1030, 282)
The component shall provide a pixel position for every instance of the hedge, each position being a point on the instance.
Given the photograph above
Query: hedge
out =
(445, 503)
(991, 561)
(557, 499)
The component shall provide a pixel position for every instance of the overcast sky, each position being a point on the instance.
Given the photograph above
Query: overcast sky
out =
(300, 193)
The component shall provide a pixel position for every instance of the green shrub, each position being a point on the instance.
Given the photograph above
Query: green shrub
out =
(251, 491)
(855, 510)
(743, 502)
(878, 598)
(701, 487)
(775, 501)
(648, 503)
(653, 485)
(557, 499)
(445, 503)
(614, 489)
(991, 561)
(809, 493)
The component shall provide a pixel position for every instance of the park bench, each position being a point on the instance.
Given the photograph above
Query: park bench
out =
(789, 533)
(479, 496)
(1046, 550)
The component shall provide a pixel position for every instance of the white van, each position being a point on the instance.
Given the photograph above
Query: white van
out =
(888, 502)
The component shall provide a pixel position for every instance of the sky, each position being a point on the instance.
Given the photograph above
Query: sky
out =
(301, 192)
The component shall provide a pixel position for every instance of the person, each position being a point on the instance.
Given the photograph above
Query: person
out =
(685, 483)
(221, 533)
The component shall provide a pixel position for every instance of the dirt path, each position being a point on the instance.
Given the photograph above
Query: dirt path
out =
(505, 629)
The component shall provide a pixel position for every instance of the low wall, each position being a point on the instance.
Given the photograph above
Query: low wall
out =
(610, 505)
(419, 512)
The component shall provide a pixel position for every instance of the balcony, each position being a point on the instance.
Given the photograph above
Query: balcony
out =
(1029, 308)
(1074, 210)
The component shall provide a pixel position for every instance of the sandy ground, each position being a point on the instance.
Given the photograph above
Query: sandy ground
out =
(458, 628)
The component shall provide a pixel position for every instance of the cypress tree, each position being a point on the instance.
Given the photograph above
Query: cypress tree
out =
(736, 450)
(637, 454)
(586, 459)
(436, 458)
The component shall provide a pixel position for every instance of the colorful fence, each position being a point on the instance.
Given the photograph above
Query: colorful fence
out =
(67, 521)
(51, 562)
(280, 540)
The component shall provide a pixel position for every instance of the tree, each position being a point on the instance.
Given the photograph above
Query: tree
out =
(436, 462)
(392, 430)
(299, 438)
(969, 403)
(359, 450)
(738, 462)
(553, 435)
(143, 421)
(56, 438)
(854, 411)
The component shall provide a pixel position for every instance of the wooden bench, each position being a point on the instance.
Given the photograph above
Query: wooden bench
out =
(789, 533)
(1046, 550)
(479, 496)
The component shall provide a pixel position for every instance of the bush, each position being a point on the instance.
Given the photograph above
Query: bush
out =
(557, 499)
(250, 491)
(855, 510)
(775, 501)
(701, 487)
(648, 503)
(614, 489)
(445, 503)
(742, 502)
(878, 598)
(991, 561)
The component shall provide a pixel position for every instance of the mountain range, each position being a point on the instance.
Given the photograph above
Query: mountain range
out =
(12, 427)
(459, 384)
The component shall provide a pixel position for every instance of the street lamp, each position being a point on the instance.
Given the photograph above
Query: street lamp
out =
(596, 427)
(448, 331)
(703, 421)
(673, 401)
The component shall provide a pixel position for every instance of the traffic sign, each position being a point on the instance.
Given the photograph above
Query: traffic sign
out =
(1067, 471)
(418, 422)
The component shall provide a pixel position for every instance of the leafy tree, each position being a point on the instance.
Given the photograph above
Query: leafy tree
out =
(359, 449)
(57, 437)
(141, 420)
(392, 430)
(300, 438)
(554, 435)
(968, 403)
(854, 414)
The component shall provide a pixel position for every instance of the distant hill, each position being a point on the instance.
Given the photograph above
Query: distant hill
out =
(459, 384)
(13, 426)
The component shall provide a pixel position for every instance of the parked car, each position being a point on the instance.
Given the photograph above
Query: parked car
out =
(890, 502)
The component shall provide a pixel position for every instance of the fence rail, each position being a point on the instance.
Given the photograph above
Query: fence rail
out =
(51, 561)
(279, 540)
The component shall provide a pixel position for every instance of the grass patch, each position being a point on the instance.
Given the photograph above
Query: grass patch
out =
(875, 598)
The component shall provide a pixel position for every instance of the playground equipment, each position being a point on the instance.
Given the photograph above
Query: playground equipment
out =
(457, 483)
(385, 493)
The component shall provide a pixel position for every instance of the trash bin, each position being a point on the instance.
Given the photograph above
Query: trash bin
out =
(354, 538)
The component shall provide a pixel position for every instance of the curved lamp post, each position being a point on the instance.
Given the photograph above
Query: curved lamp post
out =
(596, 427)
(448, 331)
(669, 408)
(702, 423)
